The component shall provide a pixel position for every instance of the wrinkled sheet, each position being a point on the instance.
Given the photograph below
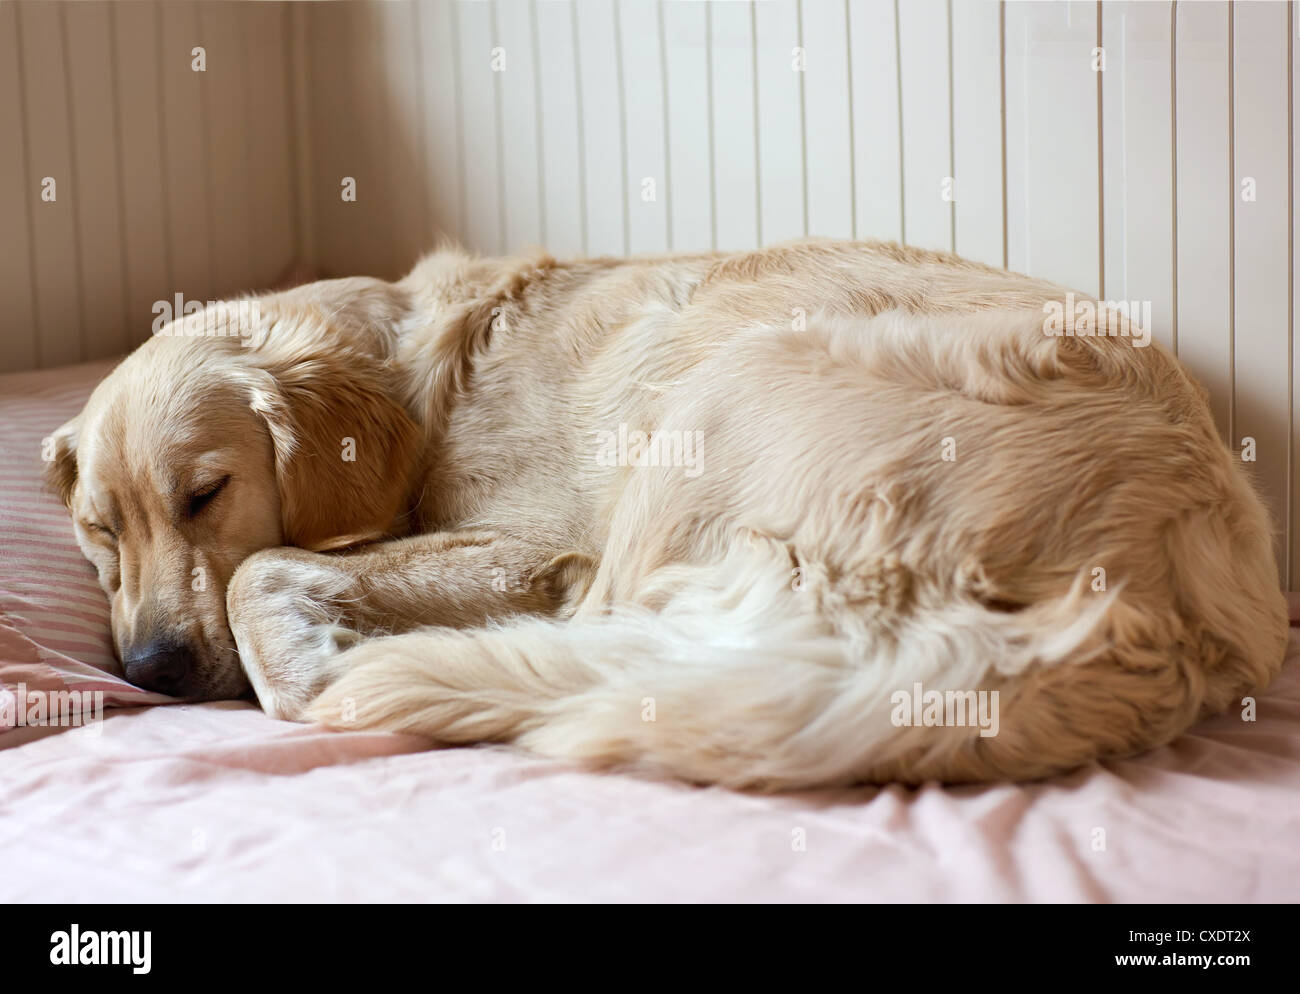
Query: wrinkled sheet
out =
(217, 802)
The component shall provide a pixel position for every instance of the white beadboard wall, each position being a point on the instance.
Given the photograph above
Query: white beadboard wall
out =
(626, 126)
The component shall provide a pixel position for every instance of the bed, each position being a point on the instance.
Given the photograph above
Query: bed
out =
(217, 802)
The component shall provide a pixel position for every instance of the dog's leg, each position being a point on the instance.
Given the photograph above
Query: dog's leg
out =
(293, 612)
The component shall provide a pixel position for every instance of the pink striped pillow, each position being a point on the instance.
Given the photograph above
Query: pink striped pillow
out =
(54, 629)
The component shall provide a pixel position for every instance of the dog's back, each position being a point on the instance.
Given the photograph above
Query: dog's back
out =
(888, 477)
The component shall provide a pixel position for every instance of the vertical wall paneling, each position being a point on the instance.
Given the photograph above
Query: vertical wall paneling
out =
(378, 221)
(349, 118)
(1262, 230)
(139, 122)
(644, 104)
(372, 214)
(270, 124)
(229, 153)
(479, 127)
(780, 123)
(1293, 414)
(1205, 200)
(977, 130)
(303, 147)
(565, 203)
(829, 124)
(444, 165)
(1138, 158)
(335, 153)
(877, 176)
(99, 206)
(186, 96)
(735, 159)
(520, 160)
(51, 155)
(18, 200)
(600, 81)
(614, 126)
(404, 168)
(690, 183)
(927, 150)
(1053, 215)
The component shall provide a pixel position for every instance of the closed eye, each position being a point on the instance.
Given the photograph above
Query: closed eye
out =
(95, 526)
(204, 496)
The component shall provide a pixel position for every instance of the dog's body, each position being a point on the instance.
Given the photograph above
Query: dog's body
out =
(862, 469)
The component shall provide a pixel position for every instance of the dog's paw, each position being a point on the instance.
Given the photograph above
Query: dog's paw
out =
(285, 612)
(337, 706)
(398, 683)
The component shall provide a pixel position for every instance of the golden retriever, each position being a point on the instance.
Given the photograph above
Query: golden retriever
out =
(733, 518)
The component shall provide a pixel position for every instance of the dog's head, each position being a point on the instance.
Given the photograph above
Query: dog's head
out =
(215, 439)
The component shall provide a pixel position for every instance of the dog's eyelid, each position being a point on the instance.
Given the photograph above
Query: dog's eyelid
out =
(95, 526)
(203, 496)
(210, 486)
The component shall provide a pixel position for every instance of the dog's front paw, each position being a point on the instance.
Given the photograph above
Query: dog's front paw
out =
(285, 611)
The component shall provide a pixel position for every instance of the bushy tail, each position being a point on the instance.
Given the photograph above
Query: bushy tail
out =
(740, 680)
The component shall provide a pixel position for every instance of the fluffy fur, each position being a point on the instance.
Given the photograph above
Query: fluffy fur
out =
(745, 620)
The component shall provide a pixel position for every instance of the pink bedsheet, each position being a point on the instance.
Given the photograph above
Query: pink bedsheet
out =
(219, 802)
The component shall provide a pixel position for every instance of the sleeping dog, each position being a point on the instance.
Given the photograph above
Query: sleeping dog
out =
(716, 516)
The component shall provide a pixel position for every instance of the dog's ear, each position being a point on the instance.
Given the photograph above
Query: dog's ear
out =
(345, 448)
(59, 453)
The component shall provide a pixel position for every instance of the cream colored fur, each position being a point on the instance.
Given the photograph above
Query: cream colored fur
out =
(744, 620)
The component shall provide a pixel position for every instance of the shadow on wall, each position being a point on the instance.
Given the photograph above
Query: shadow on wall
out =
(204, 149)
(153, 160)
(168, 153)
(371, 146)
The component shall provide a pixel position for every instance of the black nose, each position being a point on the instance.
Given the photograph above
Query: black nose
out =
(160, 666)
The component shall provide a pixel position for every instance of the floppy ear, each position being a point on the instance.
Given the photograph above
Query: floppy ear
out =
(345, 449)
(59, 453)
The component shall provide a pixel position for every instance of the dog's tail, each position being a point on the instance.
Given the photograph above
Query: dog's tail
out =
(929, 624)
(738, 679)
